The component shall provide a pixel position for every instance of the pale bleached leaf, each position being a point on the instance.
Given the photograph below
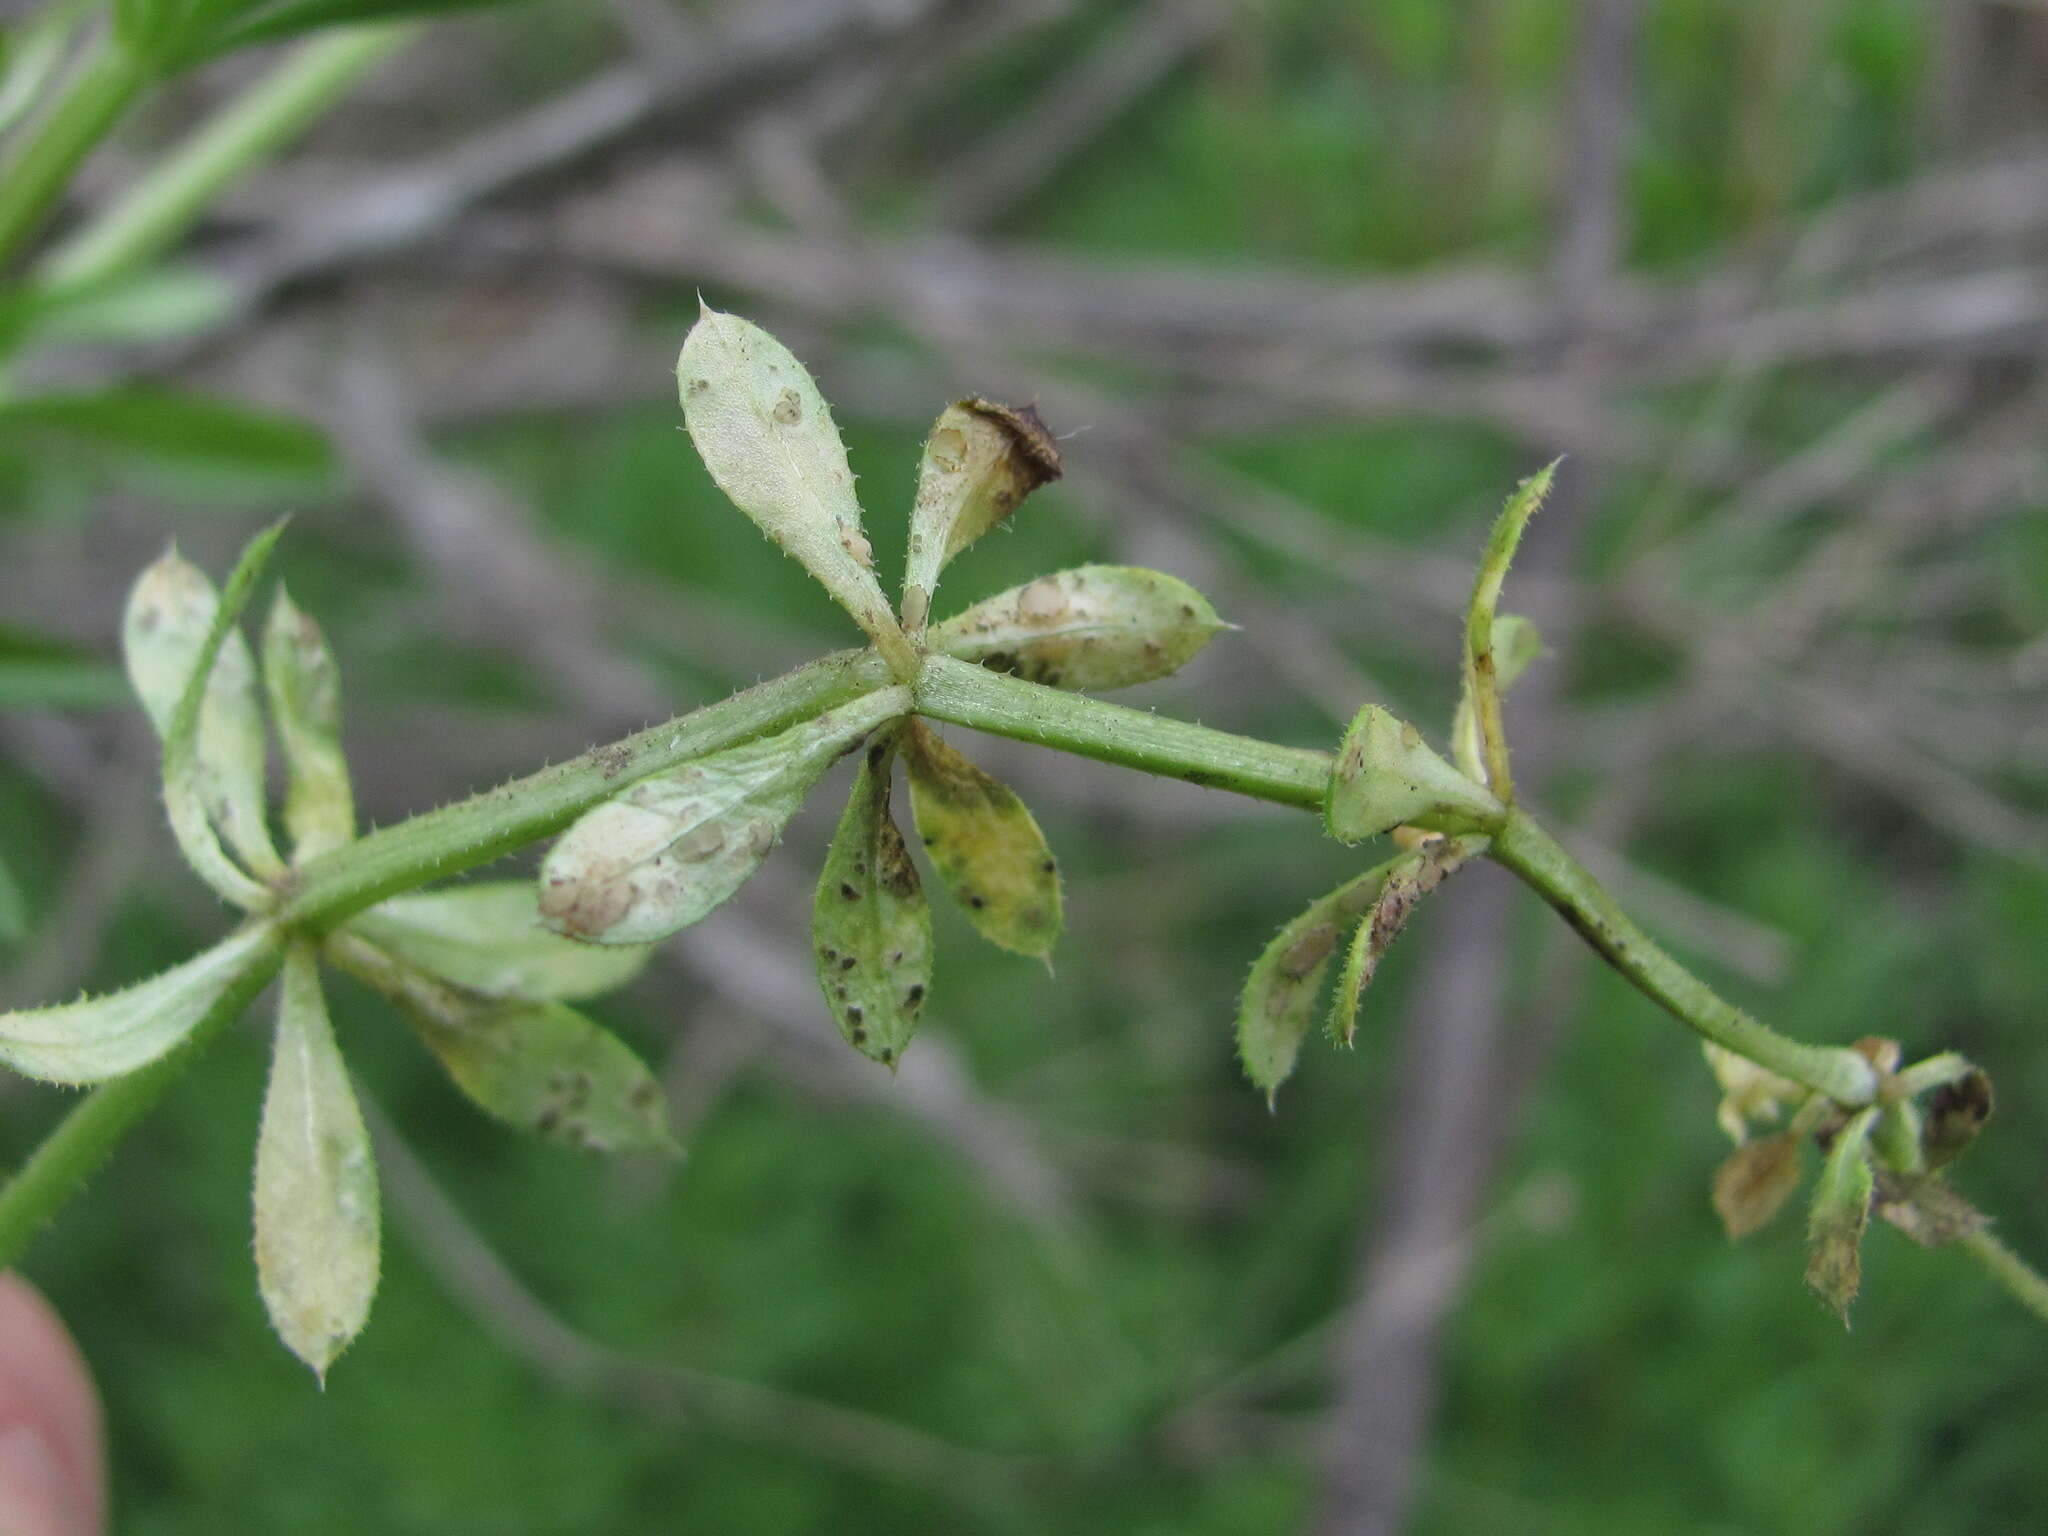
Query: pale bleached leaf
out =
(984, 844)
(173, 626)
(101, 1037)
(980, 462)
(488, 937)
(1753, 1185)
(316, 1182)
(1089, 629)
(304, 687)
(871, 928)
(767, 436)
(671, 848)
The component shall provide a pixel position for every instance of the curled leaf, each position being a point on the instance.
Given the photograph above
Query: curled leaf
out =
(1839, 1216)
(984, 844)
(1516, 645)
(1482, 672)
(175, 630)
(488, 937)
(1927, 1210)
(1956, 1112)
(767, 437)
(871, 928)
(673, 847)
(316, 1182)
(97, 1038)
(979, 464)
(304, 685)
(1090, 629)
(1386, 776)
(1755, 1182)
(1278, 1005)
(542, 1067)
(1408, 881)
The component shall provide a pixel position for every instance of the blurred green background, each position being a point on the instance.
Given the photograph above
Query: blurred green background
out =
(1305, 285)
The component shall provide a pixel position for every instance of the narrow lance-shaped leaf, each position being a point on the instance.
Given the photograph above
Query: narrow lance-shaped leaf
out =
(542, 1067)
(673, 847)
(767, 437)
(1385, 776)
(1481, 670)
(979, 464)
(984, 844)
(97, 1038)
(1516, 645)
(1753, 1185)
(488, 937)
(1278, 1005)
(178, 638)
(316, 1182)
(1839, 1215)
(1092, 628)
(1408, 881)
(305, 705)
(871, 929)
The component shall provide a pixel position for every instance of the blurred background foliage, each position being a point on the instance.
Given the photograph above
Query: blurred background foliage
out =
(1307, 284)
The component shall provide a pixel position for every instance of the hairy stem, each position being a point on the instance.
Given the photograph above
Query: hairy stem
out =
(159, 208)
(85, 1137)
(969, 695)
(2019, 1277)
(1524, 847)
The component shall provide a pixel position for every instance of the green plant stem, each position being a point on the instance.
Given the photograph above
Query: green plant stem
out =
(471, 832)
(965, 694)
(85, 1137)
(37, 175)
(2019, 1277)
(163, 205)
(1535, 856)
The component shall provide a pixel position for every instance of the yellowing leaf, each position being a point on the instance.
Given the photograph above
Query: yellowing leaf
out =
(1278, 1005)
(316, 1182)
(979, 464)
(488, 937)
(542, 1067)
(767, 437)
(673, 847)
(101, 1037)
(984, 844)
(174, 625)
(304, 686)
(871, 929)
(1090, 629)
(1408, 881)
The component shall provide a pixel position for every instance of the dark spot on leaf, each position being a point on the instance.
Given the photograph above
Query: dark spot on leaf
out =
(847, 890)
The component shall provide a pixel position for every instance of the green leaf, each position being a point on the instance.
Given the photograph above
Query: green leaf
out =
(97, 1038)
(1839, 1216)
(1408, 881)
(1386, 777)
(488, 938)
(1753, 1185)
(316, 1181)
(767, 437)
(37, 673)
(980, 462)
(542, 1067)
(871, 928)
(172, 428)
(984, 844)
(1090, 629)
(304, 685)
(196, 679)
(1277, 1008)
(1482, 686)
(674, 847)
(1516, 645)
(13, 906)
